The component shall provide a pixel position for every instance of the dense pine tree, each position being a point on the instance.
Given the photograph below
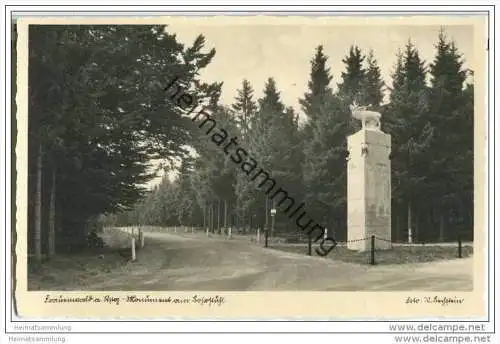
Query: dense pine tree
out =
(318, 85)
(432, 141)
(184, 197)
(352, 86)
(452, 146)
(373, 85)
(98, 115)
(266, 146)
(353, 78)
(274, 143)
(324, 167)
(411, 134)
(244, 107)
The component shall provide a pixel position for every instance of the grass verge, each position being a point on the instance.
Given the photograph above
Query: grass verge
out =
(75, 270)
(396, 255)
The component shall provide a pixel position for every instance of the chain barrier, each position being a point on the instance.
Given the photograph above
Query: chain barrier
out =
(366, 238)
(355, 240)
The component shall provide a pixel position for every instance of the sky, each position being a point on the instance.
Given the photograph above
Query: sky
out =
(257, 51)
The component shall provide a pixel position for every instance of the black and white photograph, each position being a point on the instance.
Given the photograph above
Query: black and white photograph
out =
(256, 158)
(250, 154)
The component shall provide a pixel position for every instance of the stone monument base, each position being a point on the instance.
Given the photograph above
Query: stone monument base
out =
(369, 190)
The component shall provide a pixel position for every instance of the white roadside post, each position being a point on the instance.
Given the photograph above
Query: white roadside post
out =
(258, 235)
(273, 214)
(229, 234)
(133, 248)
(142, 237)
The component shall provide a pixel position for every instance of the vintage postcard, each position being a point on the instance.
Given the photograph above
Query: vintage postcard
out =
(243, 167)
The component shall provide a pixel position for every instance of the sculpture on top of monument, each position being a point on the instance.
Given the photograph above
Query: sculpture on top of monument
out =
(369, 119)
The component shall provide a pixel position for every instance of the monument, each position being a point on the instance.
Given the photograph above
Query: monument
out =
(368, 183)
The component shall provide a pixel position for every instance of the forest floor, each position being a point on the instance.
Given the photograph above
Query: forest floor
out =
(193, 261)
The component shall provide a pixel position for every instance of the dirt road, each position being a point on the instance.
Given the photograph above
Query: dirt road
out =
(174, 262)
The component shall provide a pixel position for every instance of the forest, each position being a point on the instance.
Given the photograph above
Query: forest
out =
(99, 117)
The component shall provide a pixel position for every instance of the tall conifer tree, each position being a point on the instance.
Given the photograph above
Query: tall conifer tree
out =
(318, 85)
(453, 145)
(411, 134)
(244, 107)
(373, 85)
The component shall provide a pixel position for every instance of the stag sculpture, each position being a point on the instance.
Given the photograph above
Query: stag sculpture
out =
(369, 119)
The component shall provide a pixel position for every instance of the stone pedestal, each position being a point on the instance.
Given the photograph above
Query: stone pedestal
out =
(369, 189)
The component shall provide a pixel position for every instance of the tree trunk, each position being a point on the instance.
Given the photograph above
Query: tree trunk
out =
(225, 214)
(59, 225)
(410, 232)
(273, 219)
(218, 216)
(416, 225)
(52, 215)
(236, 217)
(231, 215)
(266, 223)
(210, 210)
(240, 220)
(243, 222)
(441, 226)
(212, 218)
(398, 226)
(38, 207)
(208, 218)
(204, 218)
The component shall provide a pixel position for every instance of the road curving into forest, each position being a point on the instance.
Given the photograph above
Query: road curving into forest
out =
(195, 262)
